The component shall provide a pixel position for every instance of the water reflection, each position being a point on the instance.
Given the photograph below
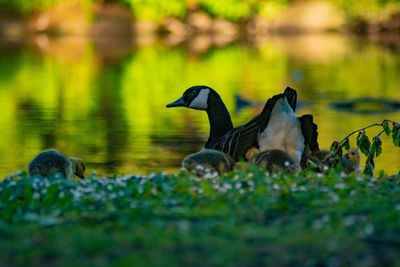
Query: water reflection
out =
(105, 101)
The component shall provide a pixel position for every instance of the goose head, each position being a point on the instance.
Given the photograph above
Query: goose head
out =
(353, 155)
(196, 97)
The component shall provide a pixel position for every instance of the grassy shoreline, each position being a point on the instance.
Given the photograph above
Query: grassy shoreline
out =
(243, 218)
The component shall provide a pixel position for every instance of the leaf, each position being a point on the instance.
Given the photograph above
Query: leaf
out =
(378, 151)
(386, 127)
(334, 146)
(369, 165)
(363, 143)
(346, 143)
(396, 134)
(370, 159)
(359, 136)
(376, 146)
(373, 149)
(369, 169)
(337, 150)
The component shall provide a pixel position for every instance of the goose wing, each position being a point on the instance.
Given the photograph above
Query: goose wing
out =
(291, 96)
(310, 132)
(238, 140)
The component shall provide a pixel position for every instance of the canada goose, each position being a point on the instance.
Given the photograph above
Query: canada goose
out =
(351, 161)
(208, 160)
(273, 161)
(276, 127)
(49, 162)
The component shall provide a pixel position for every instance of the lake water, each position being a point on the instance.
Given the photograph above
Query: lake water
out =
(105, 101)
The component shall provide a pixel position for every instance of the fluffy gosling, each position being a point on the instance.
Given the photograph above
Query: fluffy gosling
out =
(322, 159)
(50, 162)
(351, 161)
(208, 160)
(273, 161)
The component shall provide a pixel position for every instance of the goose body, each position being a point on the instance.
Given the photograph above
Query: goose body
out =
(50, 162)
(208, 160)
(283, 131)
(276, 127)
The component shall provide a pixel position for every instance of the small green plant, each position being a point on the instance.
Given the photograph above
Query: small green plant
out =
(370, 150)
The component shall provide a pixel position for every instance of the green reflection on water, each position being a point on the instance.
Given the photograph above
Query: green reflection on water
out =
(111, 111)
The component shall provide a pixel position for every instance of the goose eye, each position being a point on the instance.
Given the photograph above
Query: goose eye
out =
(190, 94)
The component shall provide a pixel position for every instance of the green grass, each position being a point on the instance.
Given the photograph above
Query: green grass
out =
(245, 218)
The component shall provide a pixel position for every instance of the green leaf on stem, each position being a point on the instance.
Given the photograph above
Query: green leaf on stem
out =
(337, 150)
(376, 146)
(346, 143)
(386, 127)
(363, 143)
(334, 146)
(396, 134)
(369, 165)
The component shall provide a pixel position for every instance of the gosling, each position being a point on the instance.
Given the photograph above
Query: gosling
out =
(208, 160)
(273, 161)
(351, 161)
(323, 159)
(50, 162)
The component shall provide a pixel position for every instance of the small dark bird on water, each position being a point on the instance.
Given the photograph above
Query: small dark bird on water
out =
(50, 162)
(208, 160)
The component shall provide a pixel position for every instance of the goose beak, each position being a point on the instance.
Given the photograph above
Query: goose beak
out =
(178, 103)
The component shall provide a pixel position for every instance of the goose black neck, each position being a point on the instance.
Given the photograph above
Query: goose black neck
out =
(220, 120)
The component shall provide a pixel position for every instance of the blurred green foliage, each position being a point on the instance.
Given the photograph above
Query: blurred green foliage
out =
(31, 6)
(28, 6)
(155, 9)
(230, 9)
(369, 9)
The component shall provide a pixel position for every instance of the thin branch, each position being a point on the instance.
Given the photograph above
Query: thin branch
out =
(379, 134)
(372, 125)
(394, 122)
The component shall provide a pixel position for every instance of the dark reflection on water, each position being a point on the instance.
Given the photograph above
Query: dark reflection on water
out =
(105, 102)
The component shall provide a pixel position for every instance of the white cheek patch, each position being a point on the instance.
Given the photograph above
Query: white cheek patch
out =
(200, 102)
